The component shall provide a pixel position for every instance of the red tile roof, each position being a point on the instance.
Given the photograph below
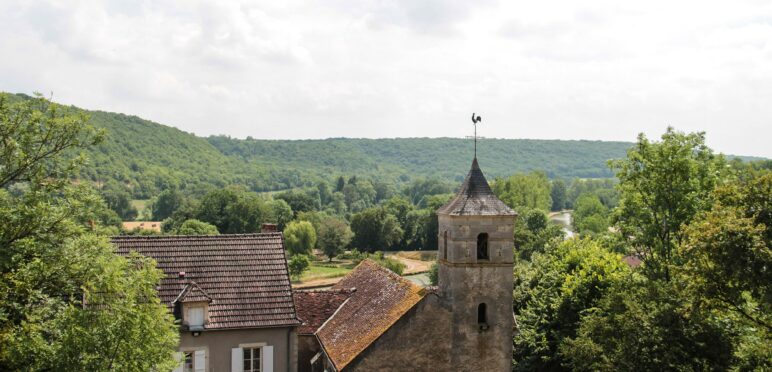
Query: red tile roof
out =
(245, 276)
(380, 299)
(315, 307)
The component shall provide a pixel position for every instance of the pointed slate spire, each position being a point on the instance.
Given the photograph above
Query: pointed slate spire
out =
(475, 198)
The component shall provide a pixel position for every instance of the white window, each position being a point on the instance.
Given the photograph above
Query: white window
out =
(196, 316)
(252, 359)
(192, 361)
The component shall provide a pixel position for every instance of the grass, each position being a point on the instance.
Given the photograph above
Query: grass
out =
(141, 205)
(326, 270)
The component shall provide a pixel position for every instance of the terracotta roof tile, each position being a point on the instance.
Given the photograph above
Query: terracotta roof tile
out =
(380, 299)
(315, 307)
(476, 198)
(245, 276)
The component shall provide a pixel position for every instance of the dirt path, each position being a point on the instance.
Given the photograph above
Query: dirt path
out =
(412, 266)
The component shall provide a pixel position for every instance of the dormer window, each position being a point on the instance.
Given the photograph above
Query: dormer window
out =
(193, 306)
(195, 317)
(482, 246)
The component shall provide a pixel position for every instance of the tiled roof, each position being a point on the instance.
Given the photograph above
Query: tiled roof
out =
(476, 198)
(380, 299)
(193, 293)
(315, 307)
(245, 276)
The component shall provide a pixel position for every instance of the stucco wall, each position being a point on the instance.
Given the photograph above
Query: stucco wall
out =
(419, 341)
(218, 345)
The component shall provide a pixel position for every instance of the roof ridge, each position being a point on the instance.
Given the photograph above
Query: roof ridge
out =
(201, 237)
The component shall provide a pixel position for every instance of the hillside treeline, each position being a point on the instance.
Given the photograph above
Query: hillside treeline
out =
(145, 158)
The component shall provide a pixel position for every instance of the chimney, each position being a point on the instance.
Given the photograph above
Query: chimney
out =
(268, 228)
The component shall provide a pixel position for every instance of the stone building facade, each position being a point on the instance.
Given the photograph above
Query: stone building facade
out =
(465, 324)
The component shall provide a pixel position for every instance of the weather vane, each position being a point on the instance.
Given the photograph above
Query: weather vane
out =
(475, 120)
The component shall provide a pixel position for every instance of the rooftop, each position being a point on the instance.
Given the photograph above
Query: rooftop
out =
(475, 198)
(380, 300)
(315, 307)
(244, 276)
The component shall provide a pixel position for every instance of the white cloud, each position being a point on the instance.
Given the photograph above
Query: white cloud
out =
(294, 69)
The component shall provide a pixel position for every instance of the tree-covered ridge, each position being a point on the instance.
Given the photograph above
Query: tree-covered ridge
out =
(446, 158)
(148, 157)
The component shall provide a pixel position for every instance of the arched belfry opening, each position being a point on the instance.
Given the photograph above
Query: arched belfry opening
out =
(482, 246)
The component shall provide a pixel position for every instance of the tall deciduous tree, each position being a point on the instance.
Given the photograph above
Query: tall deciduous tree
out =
(558, 194)
(300, 237)
(530, 190)
(375, 229)
(663, 185)
(333, 236)
(67, 301)
(167, 202)
(590, 215)
(551, 294)
(728, 252)
(196, 227)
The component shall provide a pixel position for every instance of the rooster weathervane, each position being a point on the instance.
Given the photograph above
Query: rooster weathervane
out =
(475, 120)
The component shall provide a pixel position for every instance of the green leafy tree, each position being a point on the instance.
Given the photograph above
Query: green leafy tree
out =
(552, 292)
(167, 202)
(590, 215)
(530, 190)
(663, 185)
(340, 184)
(359, 194)
(297, 265)
(196, 227)
(651, 325)
(67, 301)
(533, 232)
(333, 236)
(558, 195)
(418, 190)
(300, 237)
(281, 212)
(728, 252)
(301, 201)
(375, 229)
(233, 210)
(119, 200)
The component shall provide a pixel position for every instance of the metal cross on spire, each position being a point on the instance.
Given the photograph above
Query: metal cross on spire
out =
(475, 120)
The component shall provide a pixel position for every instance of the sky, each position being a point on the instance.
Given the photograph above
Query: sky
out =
(597, 70)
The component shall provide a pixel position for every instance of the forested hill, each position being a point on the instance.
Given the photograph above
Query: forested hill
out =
(149, 157)
(447, 158)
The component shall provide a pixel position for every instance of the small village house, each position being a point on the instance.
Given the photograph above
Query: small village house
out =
(232, 298)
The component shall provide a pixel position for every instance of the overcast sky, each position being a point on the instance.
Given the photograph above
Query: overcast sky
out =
(603, 70)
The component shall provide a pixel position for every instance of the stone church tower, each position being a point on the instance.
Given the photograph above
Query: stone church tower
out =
(475, 254)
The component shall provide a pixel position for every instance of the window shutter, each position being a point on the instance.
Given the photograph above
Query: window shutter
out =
(267, 359)
(180, 357)
(199, 361)
(237, 359)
